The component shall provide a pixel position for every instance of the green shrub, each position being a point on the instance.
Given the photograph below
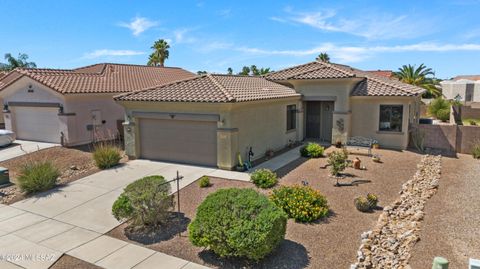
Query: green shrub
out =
(238, 223)
(438, 108)
(476, 150)
(146, 202)
(38, 176)
(264, 178)
(443, 114)
(362, 204)
(312, 150)
(106, 156)
(372, 200)
(337, 161)
(204, 182)
(301, 203)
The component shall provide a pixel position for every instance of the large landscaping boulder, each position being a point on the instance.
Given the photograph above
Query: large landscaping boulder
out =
(238, 223)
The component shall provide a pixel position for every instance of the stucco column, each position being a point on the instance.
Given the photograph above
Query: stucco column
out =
(341, 126)
(129, 130)
(227, 148)
(7, 117)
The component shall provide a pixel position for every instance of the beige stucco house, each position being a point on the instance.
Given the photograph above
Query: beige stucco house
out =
(74, 107)
(211, 119)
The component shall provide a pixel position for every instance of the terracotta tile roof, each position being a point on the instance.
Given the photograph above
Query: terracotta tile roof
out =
(2, 74)
(99, 78)
(213, 88)
(371, 84)
(382, 73)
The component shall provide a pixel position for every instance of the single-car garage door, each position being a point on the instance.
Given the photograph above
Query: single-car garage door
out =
(37, 123)
(183, 141)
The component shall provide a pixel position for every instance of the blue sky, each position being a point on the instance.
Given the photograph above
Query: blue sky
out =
(215, 35)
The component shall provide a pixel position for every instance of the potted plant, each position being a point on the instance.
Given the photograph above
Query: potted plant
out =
(338, 143)
(269, 153)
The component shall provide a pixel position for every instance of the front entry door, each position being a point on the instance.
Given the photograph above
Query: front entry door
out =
(319, 120)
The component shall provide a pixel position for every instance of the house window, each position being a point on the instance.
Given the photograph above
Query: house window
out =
(391, 118)
(291, 117)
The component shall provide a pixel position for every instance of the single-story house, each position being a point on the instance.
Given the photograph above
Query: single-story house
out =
(76, 106)
(211, 119)
(462, 88)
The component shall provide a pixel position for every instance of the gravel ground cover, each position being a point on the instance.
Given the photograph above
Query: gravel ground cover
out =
(328, 243)
(451, 224)
(69, 262)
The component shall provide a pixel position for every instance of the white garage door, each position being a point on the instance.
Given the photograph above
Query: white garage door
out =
(37, 123)
(183, 141)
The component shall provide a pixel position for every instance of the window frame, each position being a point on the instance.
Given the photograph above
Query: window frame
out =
(291, 117)
(391, 106)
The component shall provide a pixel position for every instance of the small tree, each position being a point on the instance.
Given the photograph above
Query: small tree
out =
(440, 109)
(146, 202)
(338, 162)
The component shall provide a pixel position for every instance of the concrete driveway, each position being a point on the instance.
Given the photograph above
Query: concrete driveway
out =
(22, 147)
(72, 219)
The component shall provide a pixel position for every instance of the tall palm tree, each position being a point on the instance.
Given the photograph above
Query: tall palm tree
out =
(323, 57)
(20, 61)
(420, 76)
(160, 54)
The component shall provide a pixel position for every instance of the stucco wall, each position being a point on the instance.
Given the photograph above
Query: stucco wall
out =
(366, 116)
(263, 126)
(83, 105)
(451, 138)
(450, 89)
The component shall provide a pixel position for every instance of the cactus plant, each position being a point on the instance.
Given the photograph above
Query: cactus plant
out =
(372, 200)
(362, 204)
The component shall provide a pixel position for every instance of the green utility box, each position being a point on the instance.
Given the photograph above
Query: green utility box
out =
(4, 176)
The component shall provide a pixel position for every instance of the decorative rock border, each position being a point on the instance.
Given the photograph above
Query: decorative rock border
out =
(389, 244)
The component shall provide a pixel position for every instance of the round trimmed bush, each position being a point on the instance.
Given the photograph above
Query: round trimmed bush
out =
(106, 156)
(264, 178)
(146, 202)
(238, 223)
(38, 176)
(204, 182)
(443, 114)
(312, 150)
(362, 204)
(301, 203)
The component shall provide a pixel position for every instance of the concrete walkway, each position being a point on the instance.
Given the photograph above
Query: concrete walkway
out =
(280, 160)
(72, 219)
(22, 147)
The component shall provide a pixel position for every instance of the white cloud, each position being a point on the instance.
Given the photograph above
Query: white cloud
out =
(110, 53)
(370, 26)
(181, 36)
(225, 13)
(138, 25)
(360, 53)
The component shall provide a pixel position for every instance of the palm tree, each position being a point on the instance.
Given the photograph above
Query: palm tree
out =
(20, 61)
(323, 57)
(230, 71)
(419, 76)
(161, 53)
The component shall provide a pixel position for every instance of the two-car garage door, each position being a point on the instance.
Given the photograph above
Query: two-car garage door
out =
(37, 123)
(183, 141)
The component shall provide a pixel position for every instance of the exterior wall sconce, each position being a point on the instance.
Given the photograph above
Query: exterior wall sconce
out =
(5, 107)
(60, 109)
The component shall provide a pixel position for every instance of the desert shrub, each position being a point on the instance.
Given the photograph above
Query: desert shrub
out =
(472, 122)
(312, 150)
(443, 114)
(362, 204)
(372, 200)
(264, 178)
(204, 182)
(440, 109)
(38, 176)
(146, 202)
(476, 150)
(301, 203)
(238, 223)
(337, 161)
(106, 155)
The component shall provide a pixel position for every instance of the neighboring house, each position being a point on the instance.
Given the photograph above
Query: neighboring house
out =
(462, 88)
(210, 119)
(383, 73)
(74, 107)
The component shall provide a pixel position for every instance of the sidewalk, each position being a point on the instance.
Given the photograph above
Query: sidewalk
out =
(73, 219)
